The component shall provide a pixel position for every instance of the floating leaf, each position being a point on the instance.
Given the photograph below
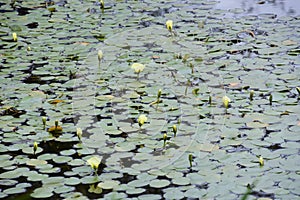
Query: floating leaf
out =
(108, 184)
(257, 124)
(95, 189)
(16, 190)
(42, 192)
(36, 162)
(159, 183)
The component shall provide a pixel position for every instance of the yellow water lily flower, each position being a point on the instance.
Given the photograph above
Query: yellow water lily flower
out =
(100, 55)
(226, 101)
(251, 95)
(79, 133)
(101, 4)
(165, 137)
(138, 67)
(191, 160)
(15, 37)
(298, 90)
(174, 128)
(94, 162)
(158, 93)
(261, 161)
(44, 119)
(35, 146)
(210, 99)
(142, 119)
(169, 25)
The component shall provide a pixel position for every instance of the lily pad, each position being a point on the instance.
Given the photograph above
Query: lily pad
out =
(36, 162)
(108, 184)
(159, 183)
(42, 193)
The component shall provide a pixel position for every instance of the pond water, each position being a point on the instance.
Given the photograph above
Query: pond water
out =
(203, 107)
(254, 7)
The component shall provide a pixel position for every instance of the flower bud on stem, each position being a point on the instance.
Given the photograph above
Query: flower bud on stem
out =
(191, 160)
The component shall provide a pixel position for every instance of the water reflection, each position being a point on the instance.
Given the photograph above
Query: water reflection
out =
(278, 7)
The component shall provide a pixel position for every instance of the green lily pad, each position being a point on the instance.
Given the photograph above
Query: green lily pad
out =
(89, 179)
(213, 51)
(72, 181)
(16, 190)
(42, 193)
(172, 193)
(7, 182)
(62, 159)
(16, 173)
(95, 189)
(34, 176)
(138, 183)
(159, 183)
(108, 184)
(181, 181)
(36, 162)
(64, 189)
(134, 191)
